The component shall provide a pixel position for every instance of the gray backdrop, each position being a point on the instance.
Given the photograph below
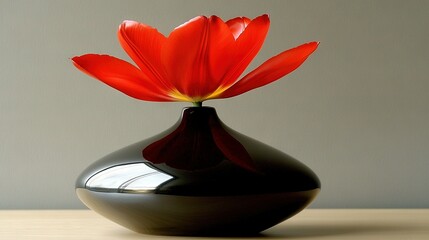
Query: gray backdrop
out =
(356, 112)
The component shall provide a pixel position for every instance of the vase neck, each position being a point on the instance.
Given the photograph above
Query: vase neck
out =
(199, 116)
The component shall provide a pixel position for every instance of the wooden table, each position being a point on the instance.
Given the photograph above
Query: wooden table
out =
(309, 224)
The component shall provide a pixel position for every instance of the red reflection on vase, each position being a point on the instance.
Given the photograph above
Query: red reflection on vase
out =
(199, 140)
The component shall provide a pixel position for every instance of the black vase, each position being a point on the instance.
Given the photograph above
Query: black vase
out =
(199, 177)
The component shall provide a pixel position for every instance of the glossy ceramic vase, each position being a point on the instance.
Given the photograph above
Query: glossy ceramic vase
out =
(199, 177)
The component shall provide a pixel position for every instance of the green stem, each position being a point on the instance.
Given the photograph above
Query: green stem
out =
(197, 104)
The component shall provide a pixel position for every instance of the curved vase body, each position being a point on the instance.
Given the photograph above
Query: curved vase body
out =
(198, 178)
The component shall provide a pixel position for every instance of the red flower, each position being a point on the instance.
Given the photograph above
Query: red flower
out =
(200, 60)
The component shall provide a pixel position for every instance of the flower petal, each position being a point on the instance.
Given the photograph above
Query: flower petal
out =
(272, 69)
(248, 45)
(237, 25)
(143, 44)
(197, 55)
(121, 75)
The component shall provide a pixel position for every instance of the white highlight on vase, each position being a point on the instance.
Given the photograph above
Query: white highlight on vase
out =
(135, 177)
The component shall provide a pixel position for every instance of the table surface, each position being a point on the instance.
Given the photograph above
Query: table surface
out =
(309, 224)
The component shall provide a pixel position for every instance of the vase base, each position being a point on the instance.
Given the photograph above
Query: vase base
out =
(161, 214)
